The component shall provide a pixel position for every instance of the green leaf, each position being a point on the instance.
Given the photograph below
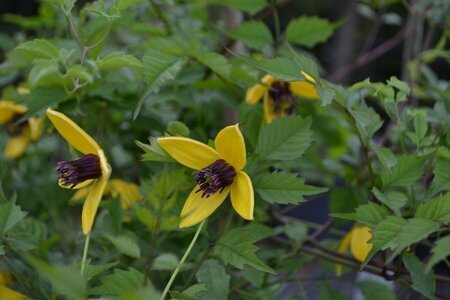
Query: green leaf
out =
(283, 188)
(309, 31)
(296, 231)
(64, 279)
(385, 155)
(440, 251)
(393, 200)
(213, 276)
(166, 262)
(125, 245)
(189, 293)
(371, 214)
(94, 270)
(108, 10)
(285, 139)
(124, 4)
(118, 283)
(77, 71)
(45, 72)
(373, 290)
(304, 63)
(250, 6)
(437, 209)
(153, 152)
(441, 180)
(254, 34)
(38, 48)
(177, 128)
(408, 170)
(367, 120)
(398, 84)
(117, 60)
(10, 215)
(326, 95)
(42, 98)
(280, 67)
(346, 199)
(236, 248)
(216, 62)
(424, 283)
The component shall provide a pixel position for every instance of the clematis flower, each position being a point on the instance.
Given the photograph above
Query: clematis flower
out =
(358, 240)
(218, 172)
(20, 133)
(127, 192)
(5, 291)
(280, 97)
(92, 168)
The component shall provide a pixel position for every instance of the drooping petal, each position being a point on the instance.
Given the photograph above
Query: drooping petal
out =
(7, 293)
(128, 192)
(255, 93)
(36, 126)
(343, 247)
(196, 208)
(308, 77)
(8, 109)
(189, 152)
(72, 133)
(269, 115)
(304, 89)
(92, 202)
(230, 144)
(17, 145)
(242, 195)
(359, 244)
(77, 186)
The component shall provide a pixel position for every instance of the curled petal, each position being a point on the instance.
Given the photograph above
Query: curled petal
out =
(72, 133)
(308, 77)
(196, 208)
(359, 243)
(189, 152)
(304, 89)
(242, 195)
(231, 146)
(8, 109)
(255, 93)
(78, 186)
(17, 145)
(343, 247)
(36, 126)
(128, 192)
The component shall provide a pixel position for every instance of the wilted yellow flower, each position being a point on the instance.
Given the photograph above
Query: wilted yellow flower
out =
(280, 97)
(20, 133)
(5, 292)
(127, 192)
(92, 168)
(358, 240)
(218, 173)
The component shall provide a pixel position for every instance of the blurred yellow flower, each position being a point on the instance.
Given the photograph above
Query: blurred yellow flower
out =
(280, 97)
(91, 168)
(127, 192)
(218, 173)
(5, 292)
(358, 240)
(20, 133)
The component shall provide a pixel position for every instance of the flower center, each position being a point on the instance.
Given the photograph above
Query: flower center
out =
(283, 99)
(13, 128)
(73, 172)
(214, 178)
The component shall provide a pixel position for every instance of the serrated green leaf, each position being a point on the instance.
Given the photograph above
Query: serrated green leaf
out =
(77, 71)
(283, 188)
(119, 282)
(367, 120)
(373, 290)
(10, 215)
(398, 84)
(153, 152)
(216, 62)
(296, 231)
(394, 200)
(250, 6)
(39, 48)
(117, 60)
(214, 277)
(385, 155)
(441, 250)
(280, 67)
(408, 170)
(437, 209)
(441, 180)
(94, 270)
(326, 95)
(125, 245)
(309, 31)
(371, 214)
(424, 283)
(285, 139)
(304, 63)
(45, 72)
(42, 98)
(236, 248)
(190, 293)
(254, 34)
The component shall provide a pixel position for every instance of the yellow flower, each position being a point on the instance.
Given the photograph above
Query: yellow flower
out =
(20, 134)
(218, 173)
(92, 168)
(127, 192)
(358, 240)
(5, 292)
(280, 97)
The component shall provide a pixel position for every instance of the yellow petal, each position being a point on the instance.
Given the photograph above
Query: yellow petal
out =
(230, 144)
(23, 91)
(77, 186)
(308, 77)
(36, 126)
(268, 109)
(72, 133)
(92, 202)
(128, 192)
(189, 152)
(8, 109)
(242, 195)
(80, 194)
(359, 244)
(304, 89)
(196, 208)
(343, 247)
(5, 278)
(9, 294)
(17, 145)
(255, 93)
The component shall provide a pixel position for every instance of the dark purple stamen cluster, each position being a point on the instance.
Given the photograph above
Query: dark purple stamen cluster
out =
(284, 100)
(214, 178)
(76, 171)
(14, 128)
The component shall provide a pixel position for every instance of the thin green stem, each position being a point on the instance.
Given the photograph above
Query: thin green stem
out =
(183, 259)
(85, 252)
(276, 21)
